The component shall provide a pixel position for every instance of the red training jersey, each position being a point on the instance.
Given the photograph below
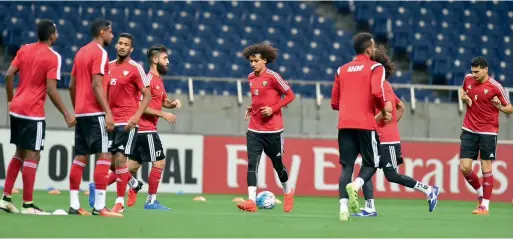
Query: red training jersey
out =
(148, 123)
(357, 91)
(36, 62)
(483, 117)
(90, 60)
(389, 133)
(125, 82)
(266, 90)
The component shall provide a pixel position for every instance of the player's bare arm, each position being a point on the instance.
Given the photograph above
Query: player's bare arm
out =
(335, 92)
(465, 98)
(51, 90)
(9, 83)
(172, 104)
(169, 117)
(146, 98)
(400, 107)
(72, 90)
(508, 109)
(247, 113)
(101, 98)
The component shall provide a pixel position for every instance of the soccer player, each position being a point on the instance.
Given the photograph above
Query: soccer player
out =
(126, 82)
(484, 97)
(40, 69)
(149, 147)
(94, 117)
(265, 130)
(390, 147)
(357, 92)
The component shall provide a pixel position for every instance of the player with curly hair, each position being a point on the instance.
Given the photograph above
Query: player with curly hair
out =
(265, 130)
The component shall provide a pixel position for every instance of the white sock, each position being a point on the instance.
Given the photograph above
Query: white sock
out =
(73, 199)
(358, 182)
(426, 189)
(369, 205)
(486, 203)
(120, 200)
(286, 187)
(480, 191)
(133, 183)
(252, 193)
(151, 198)
(99, 200)
(344, 205)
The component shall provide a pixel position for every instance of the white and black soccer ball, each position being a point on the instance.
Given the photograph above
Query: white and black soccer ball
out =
(266, 200)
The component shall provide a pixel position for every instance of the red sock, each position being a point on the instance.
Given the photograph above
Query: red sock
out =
(12, 173)
(154, 180)
(112, 177)
(101, 173)
(123, 176)
(29, 178)
(487, 185)
(473, 180)
(75, 174)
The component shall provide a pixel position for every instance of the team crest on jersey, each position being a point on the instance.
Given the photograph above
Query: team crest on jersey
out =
(125, 73)
(486, 91)
(264, 83)
(469, 87)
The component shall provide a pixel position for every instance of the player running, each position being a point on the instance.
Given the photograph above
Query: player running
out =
(484, 97)
(357, 92)
(126, 82)
(94, 118)
(40, 69)
(390, 149)
(149, 147)
(265, 130)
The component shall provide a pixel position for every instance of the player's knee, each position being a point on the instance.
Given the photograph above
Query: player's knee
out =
(391, 175)
(252, 165)
(465, 168)
(486, 166)
(159, 164)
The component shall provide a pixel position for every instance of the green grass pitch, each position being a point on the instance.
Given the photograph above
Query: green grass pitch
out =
(219, 217)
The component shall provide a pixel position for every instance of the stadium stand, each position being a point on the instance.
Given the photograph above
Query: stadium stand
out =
(206, 38)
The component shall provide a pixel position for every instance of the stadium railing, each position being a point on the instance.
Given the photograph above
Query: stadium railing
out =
(315, 84)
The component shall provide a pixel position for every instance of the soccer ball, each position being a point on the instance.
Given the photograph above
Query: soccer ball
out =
(266, 200)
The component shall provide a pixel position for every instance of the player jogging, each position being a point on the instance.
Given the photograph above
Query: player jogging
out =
(149, 147)
(94, 118)
(39, 67)
(390, 148)
(484, 97)
(126, 82)
(357, 92)
(265, 130)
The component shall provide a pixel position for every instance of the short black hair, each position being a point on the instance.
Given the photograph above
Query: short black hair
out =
(98, 25)
(127, 35)
(479, 62)
(154, 50)
(45, 28)
(265, 49)
(361, 42)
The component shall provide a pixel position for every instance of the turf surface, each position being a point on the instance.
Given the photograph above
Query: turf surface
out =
(219, 217)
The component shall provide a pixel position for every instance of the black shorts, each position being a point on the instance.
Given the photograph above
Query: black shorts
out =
(391, 155)
(473, 144)
(121, 141)
(27, 133)
(352, 142)
(149, 148)
(91, 135)
(270, 143)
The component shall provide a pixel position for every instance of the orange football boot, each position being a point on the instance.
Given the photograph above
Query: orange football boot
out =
(80, 212)
(248, 205)
(132, 197)
(118, 208)
(288, 205)
(481, 210)
(105, 212)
